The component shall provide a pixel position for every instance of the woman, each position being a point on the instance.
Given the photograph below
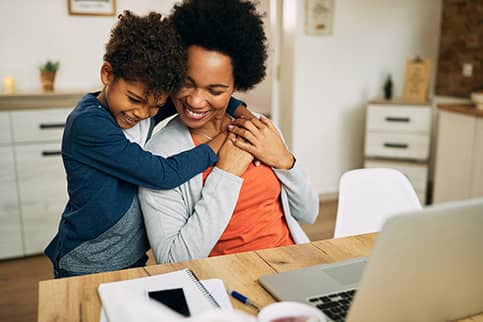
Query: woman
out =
(234, 206)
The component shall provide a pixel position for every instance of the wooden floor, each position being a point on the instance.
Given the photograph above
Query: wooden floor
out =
(19, 278)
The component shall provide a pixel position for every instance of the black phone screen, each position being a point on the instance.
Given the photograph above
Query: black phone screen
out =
(173, 298)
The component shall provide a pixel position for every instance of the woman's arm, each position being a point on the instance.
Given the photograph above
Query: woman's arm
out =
(302, 198)
(185, 223)
(179, 226)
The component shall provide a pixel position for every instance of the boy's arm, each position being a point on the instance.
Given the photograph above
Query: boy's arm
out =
(237, 109)
(98, 142)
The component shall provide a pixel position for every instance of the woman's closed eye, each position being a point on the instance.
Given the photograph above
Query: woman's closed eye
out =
(215, 92)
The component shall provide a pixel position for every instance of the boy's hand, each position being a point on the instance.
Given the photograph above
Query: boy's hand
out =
(217, 141)
(263, 141)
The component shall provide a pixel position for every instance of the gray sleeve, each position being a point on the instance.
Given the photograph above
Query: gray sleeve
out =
(178, 233)
(302, 198)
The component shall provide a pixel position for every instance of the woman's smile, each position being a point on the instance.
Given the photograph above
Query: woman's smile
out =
(195, 115)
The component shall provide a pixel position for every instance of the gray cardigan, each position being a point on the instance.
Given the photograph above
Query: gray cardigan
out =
(185, 223)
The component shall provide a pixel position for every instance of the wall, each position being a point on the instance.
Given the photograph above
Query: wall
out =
(34, 31)
(329, 82)
(335, 76)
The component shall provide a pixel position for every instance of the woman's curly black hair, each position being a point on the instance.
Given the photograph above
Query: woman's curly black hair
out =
(147, 49)
(232, 27)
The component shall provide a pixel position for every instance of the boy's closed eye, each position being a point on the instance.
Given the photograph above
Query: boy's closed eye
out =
(134, 100)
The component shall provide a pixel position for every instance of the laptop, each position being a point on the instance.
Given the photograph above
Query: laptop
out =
(425, 266)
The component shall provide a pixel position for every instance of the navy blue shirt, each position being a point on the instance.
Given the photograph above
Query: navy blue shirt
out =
(104, 170)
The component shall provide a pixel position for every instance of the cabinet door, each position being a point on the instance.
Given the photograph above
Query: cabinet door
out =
(477, 189)
(42, 189)
(5, 131)
(454, 155)
(10, 231)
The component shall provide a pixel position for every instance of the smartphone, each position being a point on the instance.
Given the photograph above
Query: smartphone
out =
(172, 298)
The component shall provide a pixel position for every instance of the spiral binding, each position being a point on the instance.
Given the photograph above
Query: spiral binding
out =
(202, 288)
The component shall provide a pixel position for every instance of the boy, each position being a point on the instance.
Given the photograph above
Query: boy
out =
(101, 228)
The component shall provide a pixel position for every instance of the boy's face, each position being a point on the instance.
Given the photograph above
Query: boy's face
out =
(126, 99)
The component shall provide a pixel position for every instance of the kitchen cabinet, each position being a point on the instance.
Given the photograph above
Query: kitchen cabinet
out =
(458, 170)
(33, 190)
(41, 179)
(10, 228)
(398, 136)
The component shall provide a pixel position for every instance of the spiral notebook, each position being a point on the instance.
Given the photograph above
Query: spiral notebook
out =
(198, 297)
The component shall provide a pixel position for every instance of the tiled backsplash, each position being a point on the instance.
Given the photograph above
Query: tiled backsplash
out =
(461, 43)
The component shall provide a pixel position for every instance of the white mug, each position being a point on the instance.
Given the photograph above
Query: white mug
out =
(290, 312)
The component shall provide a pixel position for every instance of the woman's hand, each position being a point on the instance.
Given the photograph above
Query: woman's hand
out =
(233, 159)
(262, 140)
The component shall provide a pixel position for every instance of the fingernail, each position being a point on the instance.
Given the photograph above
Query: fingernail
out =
(230, 126)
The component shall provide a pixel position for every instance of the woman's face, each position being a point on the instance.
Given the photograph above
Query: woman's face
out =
(207, 89)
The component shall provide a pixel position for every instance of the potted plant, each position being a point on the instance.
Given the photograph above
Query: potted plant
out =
(48, 71)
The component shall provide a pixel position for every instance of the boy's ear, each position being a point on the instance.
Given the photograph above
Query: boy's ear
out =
(106, 73)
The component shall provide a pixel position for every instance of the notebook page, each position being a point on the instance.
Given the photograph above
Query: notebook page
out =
(138, 288)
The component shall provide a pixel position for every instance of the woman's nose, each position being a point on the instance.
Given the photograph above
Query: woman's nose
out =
(196, 99)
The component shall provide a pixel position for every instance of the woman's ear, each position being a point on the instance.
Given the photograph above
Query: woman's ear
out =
(106, 73)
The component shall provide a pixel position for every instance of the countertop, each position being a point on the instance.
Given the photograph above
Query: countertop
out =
(461, 108)
(39, 100)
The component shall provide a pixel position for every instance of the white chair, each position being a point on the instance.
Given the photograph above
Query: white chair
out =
(368, 196)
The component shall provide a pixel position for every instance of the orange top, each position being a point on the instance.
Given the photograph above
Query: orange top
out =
(258, 221)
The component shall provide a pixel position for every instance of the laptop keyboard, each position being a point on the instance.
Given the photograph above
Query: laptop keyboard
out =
(335, 305)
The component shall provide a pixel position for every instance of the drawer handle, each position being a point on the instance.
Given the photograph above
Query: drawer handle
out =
(47, 126)
(396, 145)
(398, 119)
(50, 153)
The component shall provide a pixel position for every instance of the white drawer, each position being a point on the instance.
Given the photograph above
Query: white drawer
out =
(397, 145)
(416, 173)
(5, 131)
(398, 119)
(39, 125)
(42, 192)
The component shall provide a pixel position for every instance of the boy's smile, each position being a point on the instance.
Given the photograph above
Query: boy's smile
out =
(126, 100)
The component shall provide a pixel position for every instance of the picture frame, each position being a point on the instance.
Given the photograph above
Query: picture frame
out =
(92, 7)
(319, 16)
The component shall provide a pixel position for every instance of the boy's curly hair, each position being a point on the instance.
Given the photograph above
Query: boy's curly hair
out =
(147, 49)
(232, 27)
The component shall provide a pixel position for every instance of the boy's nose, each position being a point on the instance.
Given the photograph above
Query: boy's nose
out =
(141, 113)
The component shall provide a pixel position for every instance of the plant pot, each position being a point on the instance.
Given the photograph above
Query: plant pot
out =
(47, 80)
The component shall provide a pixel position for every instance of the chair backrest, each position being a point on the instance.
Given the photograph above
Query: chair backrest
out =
(368, 196)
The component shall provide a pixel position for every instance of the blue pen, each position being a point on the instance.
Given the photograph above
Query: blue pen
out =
(242, 298)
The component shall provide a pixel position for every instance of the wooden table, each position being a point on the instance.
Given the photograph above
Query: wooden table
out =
(76, 299)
